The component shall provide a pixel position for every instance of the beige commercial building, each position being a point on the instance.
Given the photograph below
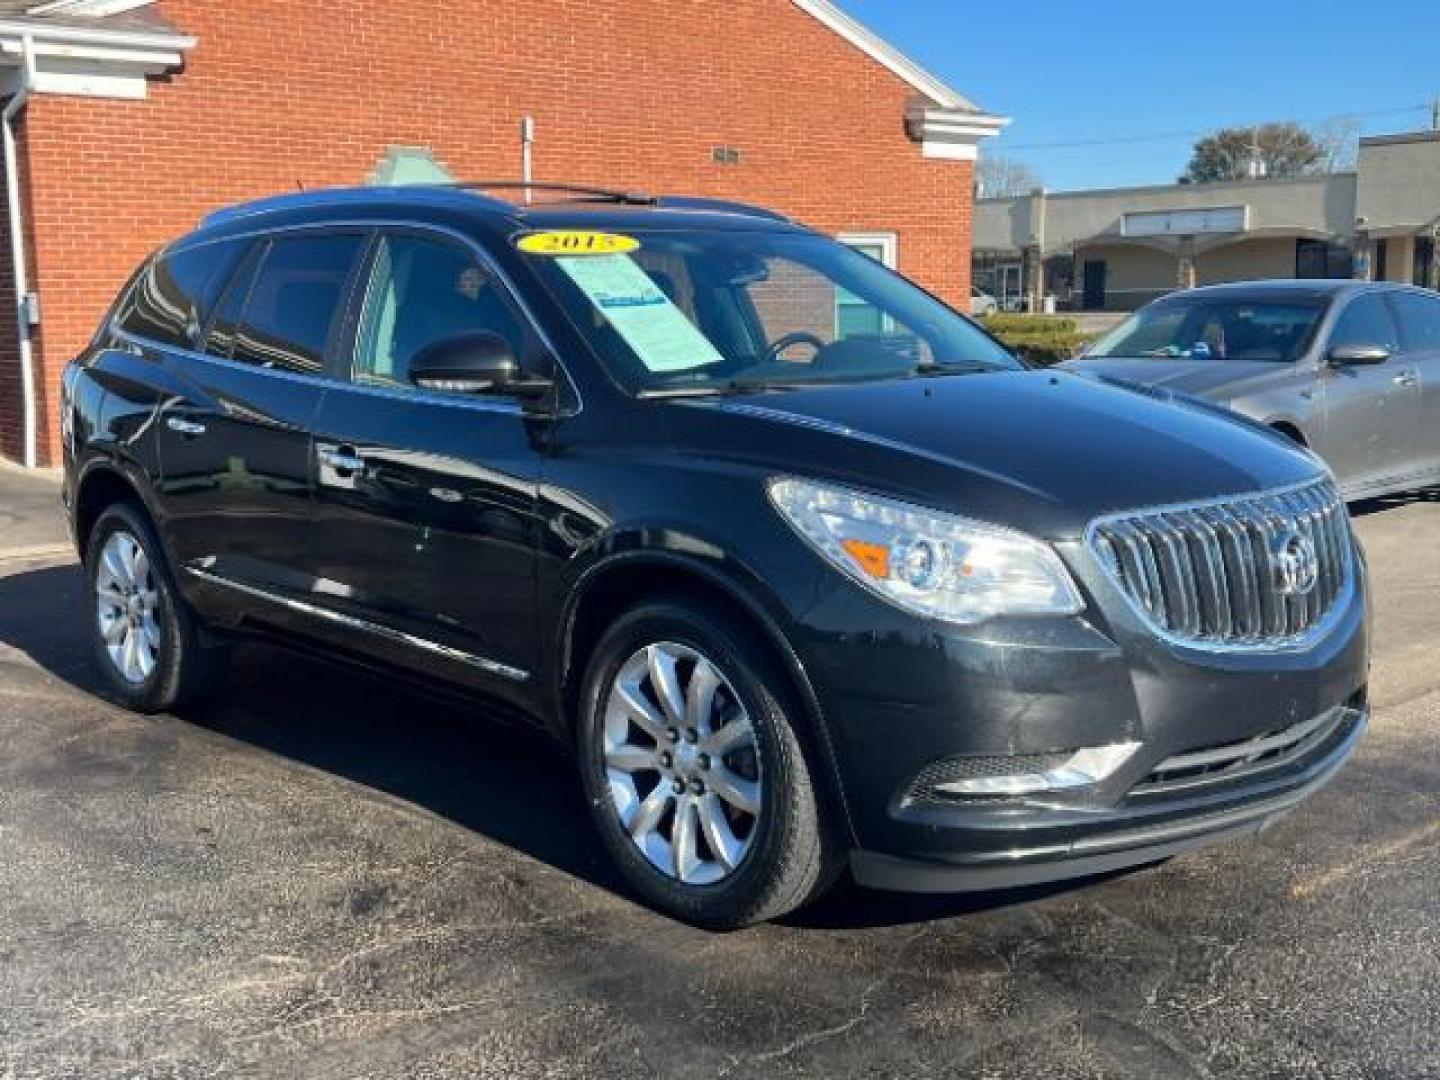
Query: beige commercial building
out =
(1116, 249)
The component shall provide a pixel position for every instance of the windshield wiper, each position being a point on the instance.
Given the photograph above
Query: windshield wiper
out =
(928, 368)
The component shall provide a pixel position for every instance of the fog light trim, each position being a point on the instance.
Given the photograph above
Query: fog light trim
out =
(1083, 768)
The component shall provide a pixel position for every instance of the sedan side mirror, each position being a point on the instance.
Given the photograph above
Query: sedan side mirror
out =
(1357, 355)
(476, 362)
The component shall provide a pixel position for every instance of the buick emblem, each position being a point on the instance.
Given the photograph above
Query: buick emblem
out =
(1294, 564)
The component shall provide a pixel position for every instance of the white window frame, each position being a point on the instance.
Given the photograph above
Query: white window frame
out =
(889, 245)
(887, 242)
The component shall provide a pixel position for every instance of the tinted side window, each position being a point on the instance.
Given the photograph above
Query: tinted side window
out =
(221, 339)
(1419, 321)
(172, 298)
(1366, 321)
(295, 301)
(423, 291)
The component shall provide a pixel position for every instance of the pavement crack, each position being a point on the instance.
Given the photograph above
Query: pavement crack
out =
(855, 1019)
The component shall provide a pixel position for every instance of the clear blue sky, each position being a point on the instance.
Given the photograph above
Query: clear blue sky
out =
(1116, 69)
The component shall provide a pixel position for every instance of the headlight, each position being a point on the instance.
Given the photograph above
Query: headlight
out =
(930, 563)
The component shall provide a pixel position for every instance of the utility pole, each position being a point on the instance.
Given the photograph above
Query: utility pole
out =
(1435, 114)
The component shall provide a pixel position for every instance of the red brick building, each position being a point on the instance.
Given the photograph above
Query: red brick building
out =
(132, 118)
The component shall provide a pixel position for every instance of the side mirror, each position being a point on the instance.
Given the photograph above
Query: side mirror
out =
(1358, 355)
(476, 362)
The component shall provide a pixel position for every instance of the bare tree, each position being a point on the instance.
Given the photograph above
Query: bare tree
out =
(1339, 142)
(999, 177)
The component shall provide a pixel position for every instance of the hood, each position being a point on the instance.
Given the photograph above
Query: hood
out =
(1043, 451)
(1214, 379)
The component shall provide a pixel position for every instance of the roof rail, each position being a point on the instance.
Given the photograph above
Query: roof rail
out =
(585, 192)
(723, 206)
(318, 196)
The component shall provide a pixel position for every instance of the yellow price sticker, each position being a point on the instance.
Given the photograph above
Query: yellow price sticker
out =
(577, 242)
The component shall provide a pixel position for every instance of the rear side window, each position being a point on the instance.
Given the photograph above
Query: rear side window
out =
(172, 297)
(1419, 321)
(294, 304)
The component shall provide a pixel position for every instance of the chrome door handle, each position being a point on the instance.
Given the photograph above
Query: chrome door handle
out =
(1406, 378)
(342, 460)
(184, 427)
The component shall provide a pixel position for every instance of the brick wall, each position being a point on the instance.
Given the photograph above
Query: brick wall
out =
(632, 94)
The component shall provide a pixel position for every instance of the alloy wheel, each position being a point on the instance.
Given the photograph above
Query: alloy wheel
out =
(682, 763)
(127, 607)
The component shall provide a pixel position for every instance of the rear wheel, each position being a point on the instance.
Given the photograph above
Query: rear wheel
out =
(696, 776)
(147, 641)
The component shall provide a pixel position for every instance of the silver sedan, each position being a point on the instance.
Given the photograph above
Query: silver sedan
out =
(1350, 369)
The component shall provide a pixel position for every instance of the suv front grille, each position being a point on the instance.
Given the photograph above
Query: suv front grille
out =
(1213, 574)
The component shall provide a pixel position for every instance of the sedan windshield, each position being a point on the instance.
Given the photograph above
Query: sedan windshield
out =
(691, 312)
(1273, 331)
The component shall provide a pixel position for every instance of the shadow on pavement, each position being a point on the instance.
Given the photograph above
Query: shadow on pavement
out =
(465, 764)
(1366, 507)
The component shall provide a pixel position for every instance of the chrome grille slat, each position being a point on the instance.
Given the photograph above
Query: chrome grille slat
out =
(1205, 573)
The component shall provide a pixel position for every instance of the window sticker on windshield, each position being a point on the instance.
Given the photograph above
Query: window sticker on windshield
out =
(658, 331)
(576, 242)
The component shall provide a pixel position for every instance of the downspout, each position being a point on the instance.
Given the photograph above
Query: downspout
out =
(17, 246)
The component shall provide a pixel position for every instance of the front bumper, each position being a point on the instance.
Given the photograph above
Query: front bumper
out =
(899, 699)
(1115, 840)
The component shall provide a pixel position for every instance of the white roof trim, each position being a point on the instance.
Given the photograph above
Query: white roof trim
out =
(868, 42)
(40, 30)
(95, 8)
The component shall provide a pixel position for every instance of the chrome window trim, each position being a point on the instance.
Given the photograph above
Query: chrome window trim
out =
(1307, 639)
(389, 633)
(486, 259)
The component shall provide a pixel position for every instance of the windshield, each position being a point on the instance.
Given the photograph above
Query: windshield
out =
(1273, 331)
(710, 312)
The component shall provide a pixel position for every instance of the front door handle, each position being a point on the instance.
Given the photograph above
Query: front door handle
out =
(342, 459)
(1406, 378)
(188, 428)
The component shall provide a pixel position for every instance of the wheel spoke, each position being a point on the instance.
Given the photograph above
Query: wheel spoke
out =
(740, 793)
(640, 710)
(114, 565)
(141, 566)
(648, 814)
(666, 683)
(144, 658)
(107, 592)
(732, 736)
(112, 629)
(700, 696)
(129, 663)
(631, 759)
(683, 840)
(716, 827)
(152, 632)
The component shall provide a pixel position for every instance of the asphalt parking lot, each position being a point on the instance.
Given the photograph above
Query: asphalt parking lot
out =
(322, 876)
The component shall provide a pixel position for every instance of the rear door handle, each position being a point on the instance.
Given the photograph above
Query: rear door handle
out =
(342, 459)
(188, 428)
(1407, 378)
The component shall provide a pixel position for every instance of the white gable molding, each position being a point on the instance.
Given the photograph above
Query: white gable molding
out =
(90, 61)
(947, 124)
(950, 134)
(93, 8)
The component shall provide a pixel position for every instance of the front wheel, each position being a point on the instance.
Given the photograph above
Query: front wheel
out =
(696, 776)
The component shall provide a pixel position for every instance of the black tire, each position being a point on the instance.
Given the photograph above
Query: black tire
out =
(796, 849)
(184, 667)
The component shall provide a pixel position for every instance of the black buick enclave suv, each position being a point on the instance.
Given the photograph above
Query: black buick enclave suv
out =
(803, 566)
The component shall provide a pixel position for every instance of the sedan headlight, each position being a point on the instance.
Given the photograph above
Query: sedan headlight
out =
(927, 562)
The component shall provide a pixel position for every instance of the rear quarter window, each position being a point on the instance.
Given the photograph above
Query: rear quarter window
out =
(172, 297)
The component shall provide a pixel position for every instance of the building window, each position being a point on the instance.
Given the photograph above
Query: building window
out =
(855, 317)
(1424, 256)
(1320, 259)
